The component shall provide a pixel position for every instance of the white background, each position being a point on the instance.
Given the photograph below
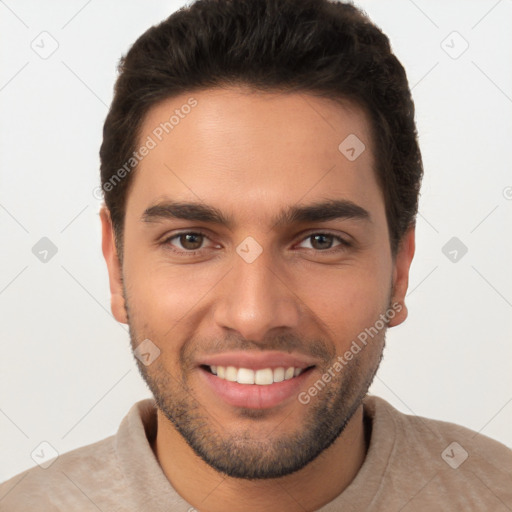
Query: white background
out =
(66, 371)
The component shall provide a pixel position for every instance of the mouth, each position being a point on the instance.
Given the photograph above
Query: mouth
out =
(259, 377)
(255, 381)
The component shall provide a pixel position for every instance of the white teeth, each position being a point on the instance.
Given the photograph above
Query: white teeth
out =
(278, 374)
(231, 373)
(262, 377)
(245, 376)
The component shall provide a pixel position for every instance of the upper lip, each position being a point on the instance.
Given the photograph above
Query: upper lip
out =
(258, 360)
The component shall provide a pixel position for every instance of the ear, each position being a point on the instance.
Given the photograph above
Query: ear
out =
(117, 302)
(401, 266)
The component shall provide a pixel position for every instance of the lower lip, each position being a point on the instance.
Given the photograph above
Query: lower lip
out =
(254, 396)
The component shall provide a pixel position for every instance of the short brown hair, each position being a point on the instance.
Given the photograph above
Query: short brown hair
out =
(326, 48)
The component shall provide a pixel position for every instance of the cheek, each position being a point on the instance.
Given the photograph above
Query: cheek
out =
(165, 295)
(349, 299)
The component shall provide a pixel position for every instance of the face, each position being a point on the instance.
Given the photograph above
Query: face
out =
(256, 260)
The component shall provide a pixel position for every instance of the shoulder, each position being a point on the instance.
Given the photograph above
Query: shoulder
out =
(444, 461)
(421, 431)
(102, 475)
(69, 480)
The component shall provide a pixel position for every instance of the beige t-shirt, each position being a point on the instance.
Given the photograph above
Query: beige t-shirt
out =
(413, 464)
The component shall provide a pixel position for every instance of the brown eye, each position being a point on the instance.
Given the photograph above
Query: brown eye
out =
(321, 241)
(191, 241)
(185, 243)
(325, 241)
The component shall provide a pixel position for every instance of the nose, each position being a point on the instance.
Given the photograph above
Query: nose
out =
(255, 298)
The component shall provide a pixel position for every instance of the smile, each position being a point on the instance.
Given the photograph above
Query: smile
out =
(261, 377)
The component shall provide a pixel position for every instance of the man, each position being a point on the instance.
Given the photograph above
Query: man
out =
(261, 176)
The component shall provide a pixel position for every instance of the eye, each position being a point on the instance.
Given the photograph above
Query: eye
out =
(324, 241)
(190, 241)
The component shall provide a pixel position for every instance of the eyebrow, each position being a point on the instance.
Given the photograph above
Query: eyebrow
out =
(316, 212)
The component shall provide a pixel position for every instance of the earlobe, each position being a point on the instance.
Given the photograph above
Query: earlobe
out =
(117, 302)
(401, 267)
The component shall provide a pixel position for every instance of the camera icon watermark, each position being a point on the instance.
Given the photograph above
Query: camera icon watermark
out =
(352, 147)
(44, 250)
(454, 249)
(44, 455)
(45, 45)
(249, 249)
(454, 455)
(454, 45)
(146, 352)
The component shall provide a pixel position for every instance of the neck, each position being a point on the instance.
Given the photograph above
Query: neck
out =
(307, 489)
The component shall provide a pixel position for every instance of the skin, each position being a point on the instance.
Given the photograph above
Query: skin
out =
(251, 154)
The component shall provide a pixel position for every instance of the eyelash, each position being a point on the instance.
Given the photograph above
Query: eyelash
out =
(344, 244)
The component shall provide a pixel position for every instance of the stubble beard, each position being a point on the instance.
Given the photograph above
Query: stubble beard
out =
(241, 454)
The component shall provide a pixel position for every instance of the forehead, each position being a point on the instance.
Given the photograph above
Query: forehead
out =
(253, 152)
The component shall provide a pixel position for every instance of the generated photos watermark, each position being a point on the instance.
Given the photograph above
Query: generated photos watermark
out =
(304, 397)
(151, 142)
